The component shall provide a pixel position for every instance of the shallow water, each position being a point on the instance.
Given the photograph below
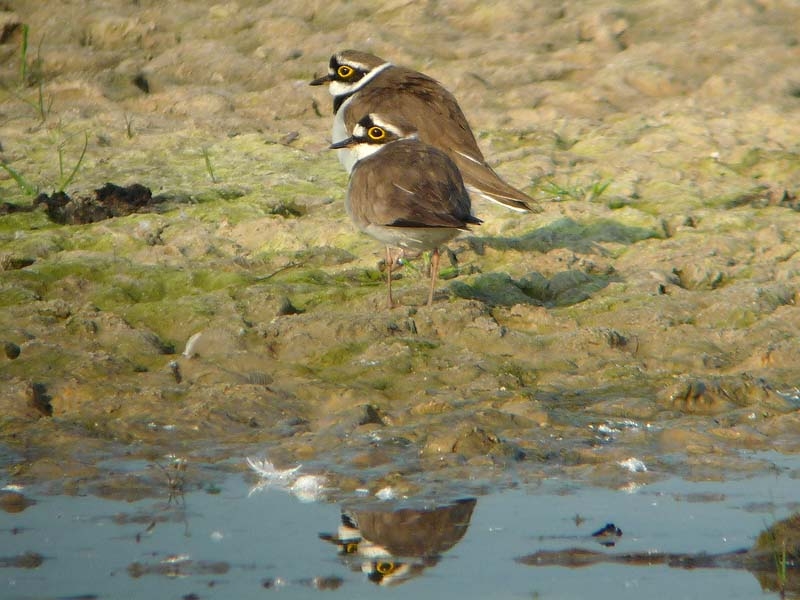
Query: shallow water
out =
(233, 539)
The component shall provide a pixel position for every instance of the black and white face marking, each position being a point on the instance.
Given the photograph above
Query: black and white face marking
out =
(348, 76)
(379, 130)
(348, 72)
(371, 133)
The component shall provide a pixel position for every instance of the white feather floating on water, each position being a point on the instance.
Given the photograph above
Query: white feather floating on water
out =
(266, 470)
(307, 488)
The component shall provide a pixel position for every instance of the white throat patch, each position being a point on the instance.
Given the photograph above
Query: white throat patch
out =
(363, 150)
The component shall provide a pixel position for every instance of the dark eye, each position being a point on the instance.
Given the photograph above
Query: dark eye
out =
(384, 568)
(344, 71)
(376, 133)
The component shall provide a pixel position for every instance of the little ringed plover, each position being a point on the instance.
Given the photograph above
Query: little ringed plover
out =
(363, 84)
(404, 192)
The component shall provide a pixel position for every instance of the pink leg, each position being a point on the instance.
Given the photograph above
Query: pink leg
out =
(389, 265)
(434, 274)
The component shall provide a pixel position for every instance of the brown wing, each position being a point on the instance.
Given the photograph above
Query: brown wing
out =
(409, 184)
(423, 102)
(420, 100)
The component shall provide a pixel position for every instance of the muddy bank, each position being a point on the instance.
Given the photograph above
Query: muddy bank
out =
(648, 311)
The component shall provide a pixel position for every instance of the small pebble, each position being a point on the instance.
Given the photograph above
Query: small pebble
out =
(11, 349)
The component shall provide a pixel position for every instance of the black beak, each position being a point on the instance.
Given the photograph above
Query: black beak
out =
(342, 143)
(322, 80)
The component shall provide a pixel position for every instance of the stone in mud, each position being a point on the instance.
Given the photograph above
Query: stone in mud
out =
(11, 350)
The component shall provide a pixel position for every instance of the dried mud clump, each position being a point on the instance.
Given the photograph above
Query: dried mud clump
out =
(108, 201)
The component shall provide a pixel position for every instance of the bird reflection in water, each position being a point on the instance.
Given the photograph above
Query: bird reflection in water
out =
(394, 546)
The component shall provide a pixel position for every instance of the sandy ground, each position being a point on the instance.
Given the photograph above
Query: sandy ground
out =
(648, 311)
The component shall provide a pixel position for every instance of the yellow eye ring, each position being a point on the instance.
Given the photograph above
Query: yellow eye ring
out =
(384, 568)
(376, 133)
(344, 71)
(351, 548)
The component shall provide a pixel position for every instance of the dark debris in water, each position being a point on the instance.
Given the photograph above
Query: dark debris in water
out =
(608, 534)
(26, 560)
(108, 201)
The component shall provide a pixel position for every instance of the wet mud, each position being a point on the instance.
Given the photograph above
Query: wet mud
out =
(230, 308)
